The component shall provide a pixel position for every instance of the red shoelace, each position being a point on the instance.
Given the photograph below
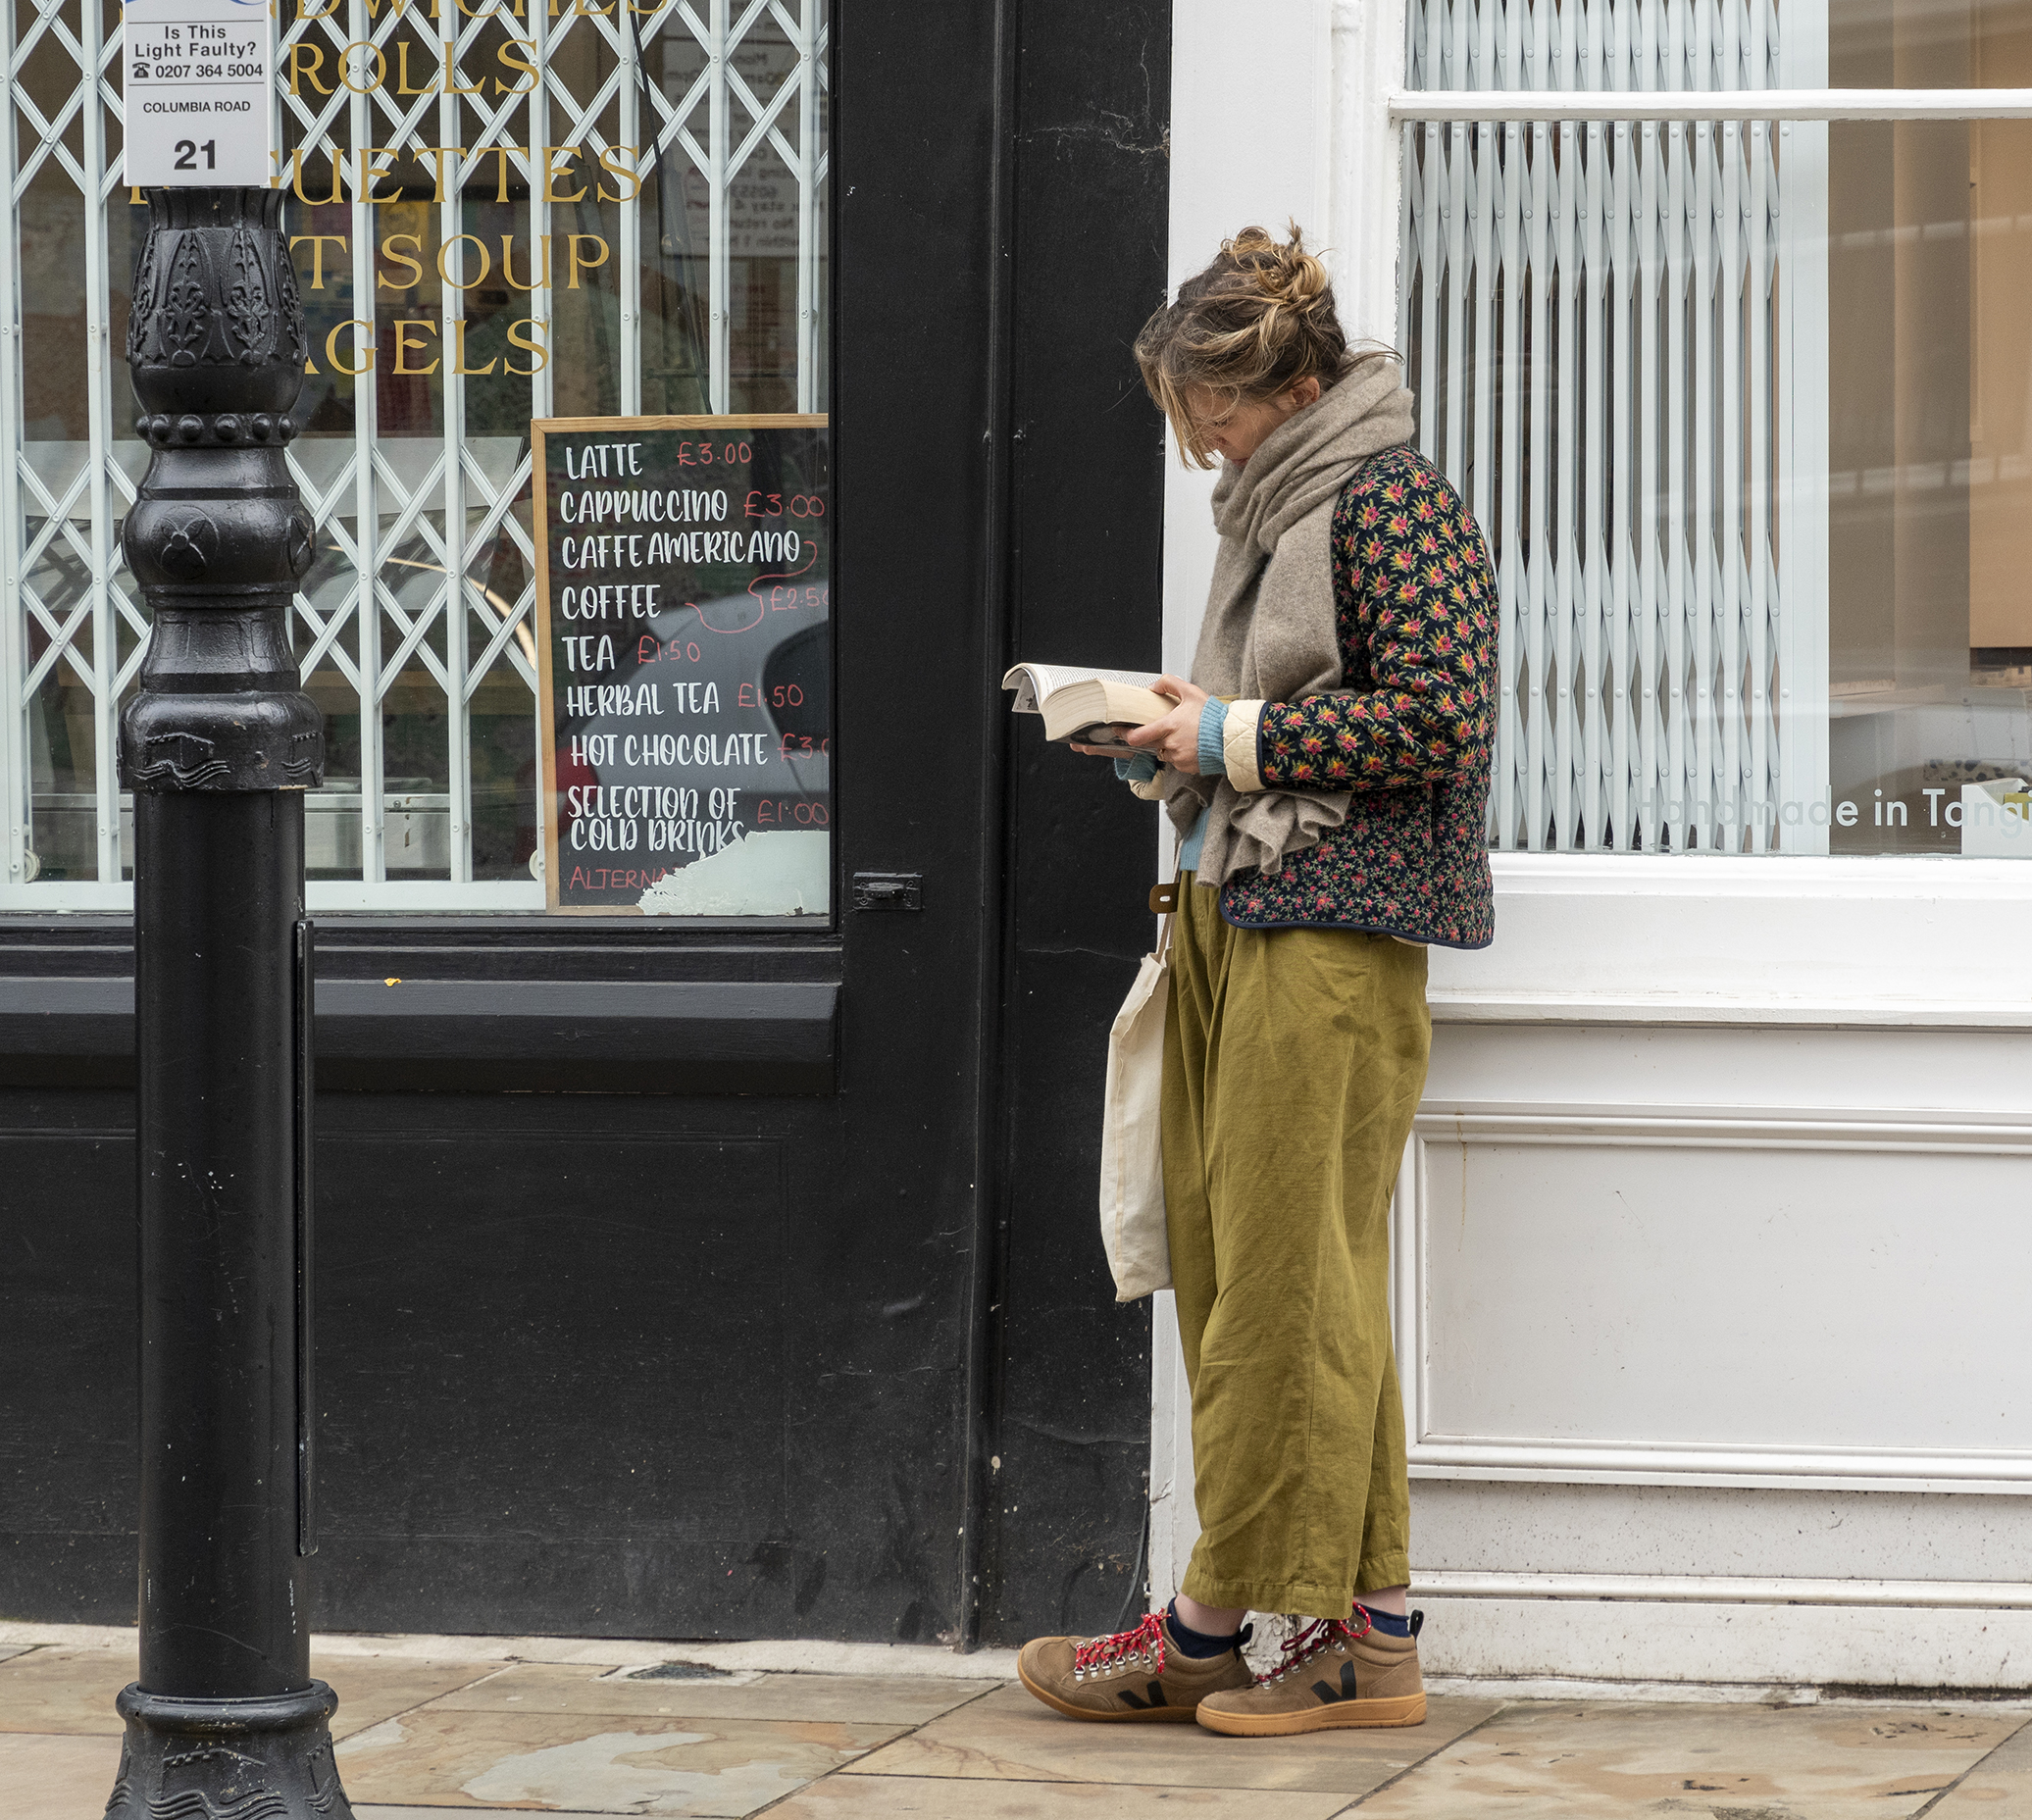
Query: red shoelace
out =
(1319, 1635)
(1099, 1654)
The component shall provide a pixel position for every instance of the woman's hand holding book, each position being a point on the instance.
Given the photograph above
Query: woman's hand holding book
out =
(1113, 713)
(1174, 740)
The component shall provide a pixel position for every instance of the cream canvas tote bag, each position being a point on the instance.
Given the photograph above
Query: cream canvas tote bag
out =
(1131, 1155)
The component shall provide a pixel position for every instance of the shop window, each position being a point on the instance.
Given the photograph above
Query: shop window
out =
(1742, 404)
(499, 213)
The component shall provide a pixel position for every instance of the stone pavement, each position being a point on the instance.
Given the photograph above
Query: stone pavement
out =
(496, 1725)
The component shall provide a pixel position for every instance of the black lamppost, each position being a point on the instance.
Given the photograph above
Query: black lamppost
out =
(217, 747)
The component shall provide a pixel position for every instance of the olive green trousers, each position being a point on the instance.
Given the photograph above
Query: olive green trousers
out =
(1293, 1062)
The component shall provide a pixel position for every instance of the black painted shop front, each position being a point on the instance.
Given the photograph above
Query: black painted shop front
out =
(689, 1282)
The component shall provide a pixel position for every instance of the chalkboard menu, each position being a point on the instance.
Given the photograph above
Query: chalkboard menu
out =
(684, 570)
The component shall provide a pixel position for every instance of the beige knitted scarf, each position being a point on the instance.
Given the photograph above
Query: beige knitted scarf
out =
(1269, 633)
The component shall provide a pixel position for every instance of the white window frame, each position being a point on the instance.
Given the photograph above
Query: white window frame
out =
(1873, 943)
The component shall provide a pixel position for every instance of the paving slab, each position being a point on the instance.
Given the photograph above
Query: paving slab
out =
(850, 1798)
(56, 1778)
(65, 1690)
(1998, 1787)
(72, 1691)
(372, 1688)
(70, 1636)
(596, 1762)
(552, 1687)
(1008, 1737)
(832, 1658)
(1566, 1761)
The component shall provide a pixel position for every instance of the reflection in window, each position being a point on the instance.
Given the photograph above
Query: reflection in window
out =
(1744, 408)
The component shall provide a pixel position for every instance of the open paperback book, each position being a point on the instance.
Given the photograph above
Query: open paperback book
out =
(1089, 706)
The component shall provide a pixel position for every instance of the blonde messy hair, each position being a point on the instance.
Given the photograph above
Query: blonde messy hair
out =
(1258, 320)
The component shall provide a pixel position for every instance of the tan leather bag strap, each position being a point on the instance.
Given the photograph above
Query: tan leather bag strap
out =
(1164, 901)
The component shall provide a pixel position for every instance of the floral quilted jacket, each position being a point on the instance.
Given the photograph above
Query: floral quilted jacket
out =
(1411, 736)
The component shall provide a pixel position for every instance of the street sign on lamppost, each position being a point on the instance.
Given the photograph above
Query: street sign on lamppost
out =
(195, 92)
(218, 747)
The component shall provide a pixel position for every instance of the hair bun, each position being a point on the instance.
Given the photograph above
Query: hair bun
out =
(1283, 272)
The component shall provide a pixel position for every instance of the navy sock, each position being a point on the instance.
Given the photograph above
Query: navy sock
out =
(1196, 1642)
(1387, 1623)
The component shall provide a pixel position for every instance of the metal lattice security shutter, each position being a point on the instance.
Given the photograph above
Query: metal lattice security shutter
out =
(1601, 322)
(422, 600)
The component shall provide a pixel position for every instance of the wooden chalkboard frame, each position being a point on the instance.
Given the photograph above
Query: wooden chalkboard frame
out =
(546, 722)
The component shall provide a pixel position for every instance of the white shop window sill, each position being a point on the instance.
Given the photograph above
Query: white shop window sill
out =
(1848, 877)
(1720, 939)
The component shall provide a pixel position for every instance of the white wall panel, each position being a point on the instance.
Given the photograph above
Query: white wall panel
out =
(1724, 1285)
(1767, 1068)
(1659, 1532)
(1250, 139)
(1763, 1649)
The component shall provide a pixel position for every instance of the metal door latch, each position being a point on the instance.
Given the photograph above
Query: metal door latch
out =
(888, 890)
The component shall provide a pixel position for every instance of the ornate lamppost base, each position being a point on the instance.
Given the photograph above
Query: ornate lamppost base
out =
(246, 1760)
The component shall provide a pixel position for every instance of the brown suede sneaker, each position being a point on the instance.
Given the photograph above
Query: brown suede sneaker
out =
(1335, 1673)
(1137, 1674)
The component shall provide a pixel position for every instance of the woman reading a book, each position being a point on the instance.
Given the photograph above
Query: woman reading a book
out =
(1327, 770)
